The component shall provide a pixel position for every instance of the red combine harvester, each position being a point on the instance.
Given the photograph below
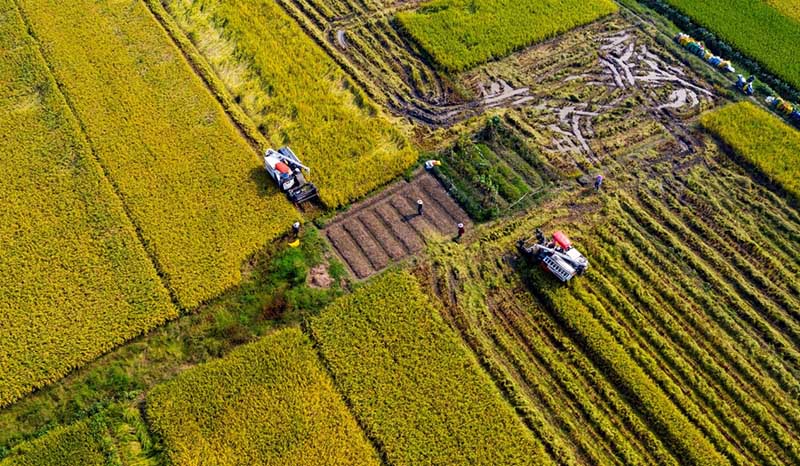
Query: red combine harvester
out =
(557, 255)
(286, 170)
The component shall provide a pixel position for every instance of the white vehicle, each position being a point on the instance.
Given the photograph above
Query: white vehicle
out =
(557, 256)
(287, 171)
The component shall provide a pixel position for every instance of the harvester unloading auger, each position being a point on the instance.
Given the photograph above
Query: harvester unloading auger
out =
(557, 255)
(287, 171)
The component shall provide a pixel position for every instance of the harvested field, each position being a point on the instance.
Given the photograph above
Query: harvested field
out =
(386, 228)
(684, 326)
(603, 94)
(366, 40)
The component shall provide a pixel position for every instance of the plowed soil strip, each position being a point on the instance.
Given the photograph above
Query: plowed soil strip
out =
(394, 221)
(384, 236)
(350, 252)
(408, 211)
(434, 190)
(433, 212)
(374, 252)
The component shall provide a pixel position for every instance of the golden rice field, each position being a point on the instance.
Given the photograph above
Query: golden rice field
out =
(459, 34)
(193, 187)
(420, 395)
(73, 445)
(74, 279)
(297, 95)
(268, 403)
(762, 139)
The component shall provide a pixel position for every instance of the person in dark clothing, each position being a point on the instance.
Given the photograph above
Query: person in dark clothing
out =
(419, 206)
(296, 229)
(598, 182)
(460, 230)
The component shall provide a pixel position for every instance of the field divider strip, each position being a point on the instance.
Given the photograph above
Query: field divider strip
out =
(208, 76)
(376, 443)
(76, 120)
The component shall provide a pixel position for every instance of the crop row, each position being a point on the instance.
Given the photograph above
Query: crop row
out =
(412, 384)
(268, 403)
(497, 173)
(581, 314)
(74, 278)
(193, 187)
(679, 343)
(459, 34)
(761, 139)
(583, 418)
(297, 95)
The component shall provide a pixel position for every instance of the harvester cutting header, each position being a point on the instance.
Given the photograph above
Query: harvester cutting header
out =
(287, 171)
(557, 255)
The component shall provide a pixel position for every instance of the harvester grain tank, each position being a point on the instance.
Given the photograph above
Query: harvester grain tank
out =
(556, 255)
(785, 108)
(286, 169)
(698, 48)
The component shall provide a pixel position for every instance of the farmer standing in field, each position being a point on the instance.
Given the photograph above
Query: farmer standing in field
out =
(598, 182)
(419, 207)
(460, 230)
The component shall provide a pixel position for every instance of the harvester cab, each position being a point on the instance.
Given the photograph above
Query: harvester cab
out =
(287, 171)
(556, 255)
(745, 85)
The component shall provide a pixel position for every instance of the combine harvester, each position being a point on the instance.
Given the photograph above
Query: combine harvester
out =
(785, 108)
(287, 171)
(557, 256)
(699, 49)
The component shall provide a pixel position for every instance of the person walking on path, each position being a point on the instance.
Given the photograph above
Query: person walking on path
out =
(419, 206)
(598, 182)
(461, 231)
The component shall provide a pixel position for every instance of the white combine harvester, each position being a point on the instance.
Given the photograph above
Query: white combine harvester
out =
(557, 256)
(287, 170)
